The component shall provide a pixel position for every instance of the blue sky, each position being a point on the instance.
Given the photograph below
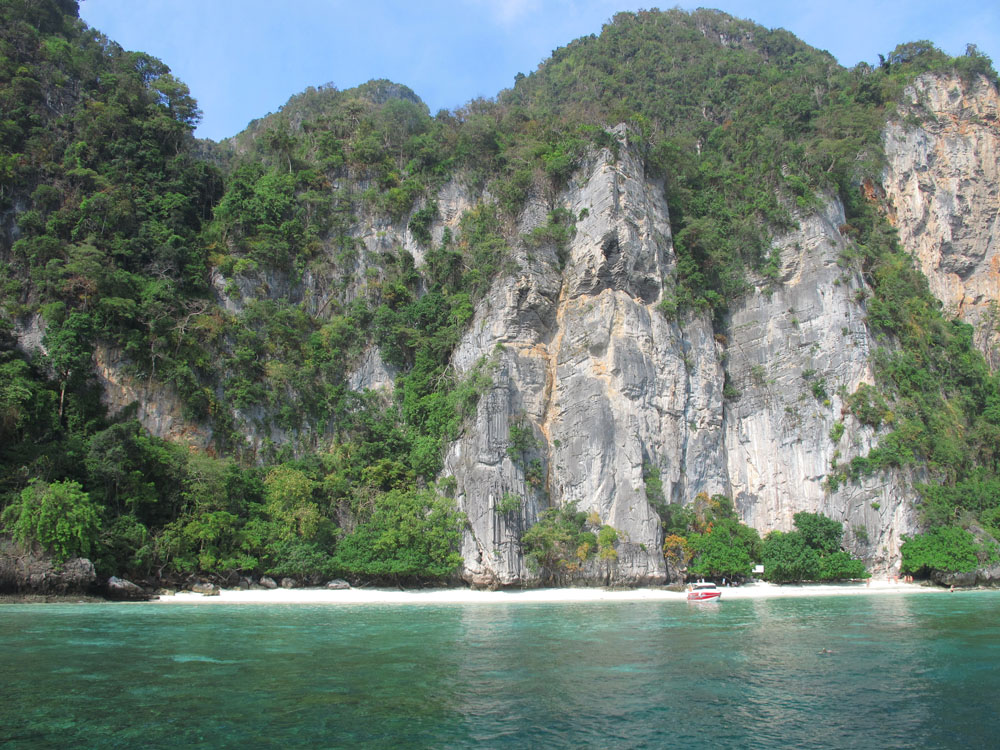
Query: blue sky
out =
(244, 58)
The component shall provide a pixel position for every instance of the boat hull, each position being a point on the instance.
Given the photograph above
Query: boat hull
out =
(704, 596)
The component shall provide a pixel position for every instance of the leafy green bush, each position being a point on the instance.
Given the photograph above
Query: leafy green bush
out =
(607, 538)
(726, 549)
(810, 553)
(839, 565)
(559, 542)
(58, 515)
(837, 431)
(950, 549)
(787, 557)
(420, 222)
(410, 535)
(868, 406)
(509, 503)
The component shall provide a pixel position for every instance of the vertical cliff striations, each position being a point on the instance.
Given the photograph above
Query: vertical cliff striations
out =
(610, 389)
(605, 384)
(796, 348)
(942, 183)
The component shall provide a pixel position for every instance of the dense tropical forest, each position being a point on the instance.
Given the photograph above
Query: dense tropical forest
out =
(124, 237)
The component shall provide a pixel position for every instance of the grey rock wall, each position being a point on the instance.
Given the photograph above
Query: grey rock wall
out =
(942, 183)
(603, 381)
(796, 348)
(30, 570)
(157, 406)
(607, 385)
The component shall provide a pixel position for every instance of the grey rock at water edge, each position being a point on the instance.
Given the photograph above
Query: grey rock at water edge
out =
(338, 585)
(204, 588)
(121, 589)
(289, 583)
(32, 571)
(267, 582)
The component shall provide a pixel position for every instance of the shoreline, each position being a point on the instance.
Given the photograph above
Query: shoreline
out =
(540, 595)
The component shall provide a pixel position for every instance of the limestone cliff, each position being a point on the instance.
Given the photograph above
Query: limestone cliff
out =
(609, 390)
(157, 407)
(942, 184)
(367, 306)
(605, 383)
(608, 385)
(797, 348)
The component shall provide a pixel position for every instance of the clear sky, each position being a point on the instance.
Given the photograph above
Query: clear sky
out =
(244, 58)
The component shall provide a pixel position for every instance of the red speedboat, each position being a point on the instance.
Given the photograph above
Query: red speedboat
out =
(703, 592)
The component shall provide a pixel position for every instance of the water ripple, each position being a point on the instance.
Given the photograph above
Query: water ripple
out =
(872, 672)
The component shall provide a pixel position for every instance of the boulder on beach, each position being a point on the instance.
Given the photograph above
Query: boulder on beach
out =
(123, 590)
(338, 584)
(289, 583)
(205, 589)
(267, 582)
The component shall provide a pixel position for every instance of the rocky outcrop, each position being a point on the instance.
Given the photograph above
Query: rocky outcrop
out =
(610, 390)
(942, 185)
(157, 407)
(986, 576)
(595, 389)
(205, 588)
(122, 590)
(31, 571)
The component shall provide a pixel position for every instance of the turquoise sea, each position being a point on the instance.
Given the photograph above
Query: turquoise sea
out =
(905, 672)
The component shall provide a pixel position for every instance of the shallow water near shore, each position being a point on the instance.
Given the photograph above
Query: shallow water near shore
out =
(903, 671)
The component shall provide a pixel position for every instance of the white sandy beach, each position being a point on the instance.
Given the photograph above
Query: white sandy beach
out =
(507, 596)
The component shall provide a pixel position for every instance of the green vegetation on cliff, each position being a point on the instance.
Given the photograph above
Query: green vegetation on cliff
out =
(116, 225)
(950, 549)
(708, 538)
(232, 276)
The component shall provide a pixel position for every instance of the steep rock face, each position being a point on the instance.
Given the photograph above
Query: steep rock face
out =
(603, 382)
(796, 348)
(157, 407)
(610, 389)
(942, 183)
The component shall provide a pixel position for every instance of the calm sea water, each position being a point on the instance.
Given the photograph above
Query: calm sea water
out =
(905, 672)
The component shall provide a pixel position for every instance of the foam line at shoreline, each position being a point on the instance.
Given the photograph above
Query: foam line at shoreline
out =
(541, 595)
